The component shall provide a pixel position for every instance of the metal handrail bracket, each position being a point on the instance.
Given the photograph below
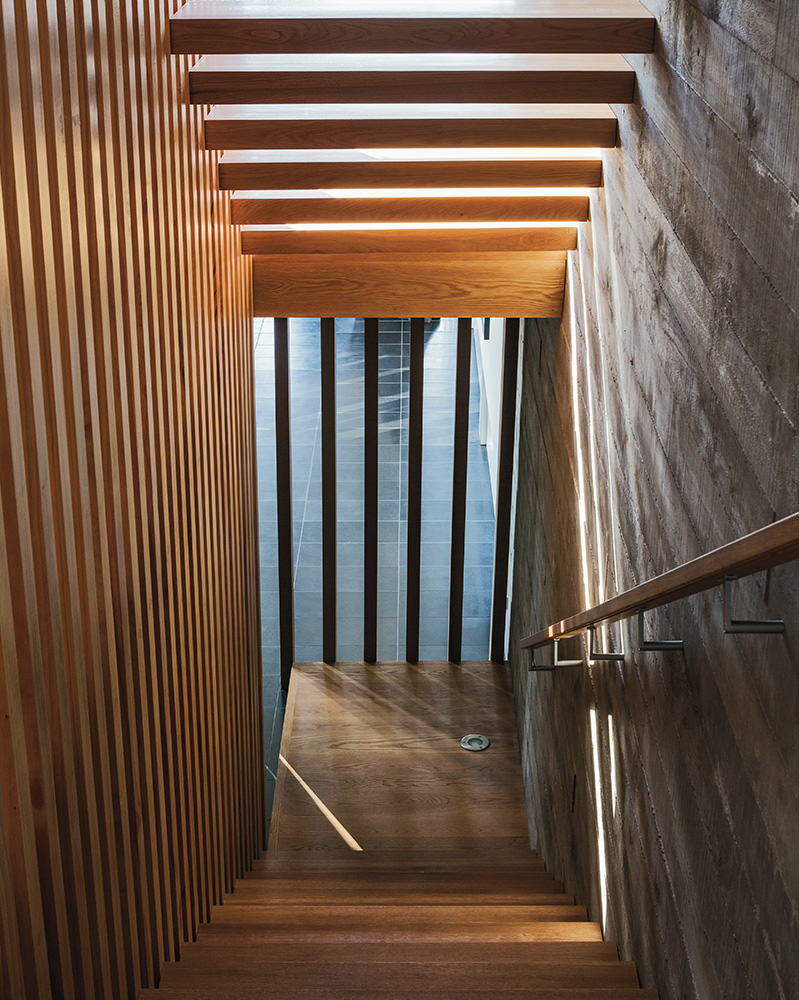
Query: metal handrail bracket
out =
(735, 626)
(652, 645)
(594, 655)
(556, 661)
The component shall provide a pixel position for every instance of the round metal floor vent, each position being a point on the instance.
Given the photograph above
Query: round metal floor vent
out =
(474, 741)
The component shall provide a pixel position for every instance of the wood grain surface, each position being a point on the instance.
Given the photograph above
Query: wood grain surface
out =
(381, 79)
(130, 721)
(309, 207)
(320, 169)
(380, 745)
(389, 284)
(363, 126)
(518, 26)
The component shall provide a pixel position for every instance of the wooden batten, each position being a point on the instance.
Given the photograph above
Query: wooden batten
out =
(223, 26)
(296, 207)
(286, 240)
(334, 170)
(369, 126)
(530, 284)
(382, 79)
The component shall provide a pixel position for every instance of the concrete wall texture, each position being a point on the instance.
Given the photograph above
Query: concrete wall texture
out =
(659, 420)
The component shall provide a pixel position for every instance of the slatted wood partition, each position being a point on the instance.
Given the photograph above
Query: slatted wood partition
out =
(130, 718)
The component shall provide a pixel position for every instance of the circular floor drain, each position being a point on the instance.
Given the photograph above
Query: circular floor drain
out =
(474, 741)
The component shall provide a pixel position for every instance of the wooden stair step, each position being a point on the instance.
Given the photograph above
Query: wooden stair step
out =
(396, 863)
(334, 169)
(201, 991)
(256, 896)
(376, 924)
(406, 881)
(359, 126)
(296, 207)
(393, 864)
(423, 953)
(225, 26)
(444, 284)
(285, 239)
(312, 916)
(309, 868)
(392, 78)
(221, 965)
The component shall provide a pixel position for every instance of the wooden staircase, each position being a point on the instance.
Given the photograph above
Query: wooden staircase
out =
(363, 116)
(401, 926)
(435, 894)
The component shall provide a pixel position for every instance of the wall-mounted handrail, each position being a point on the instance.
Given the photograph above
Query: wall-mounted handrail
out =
(770, 546)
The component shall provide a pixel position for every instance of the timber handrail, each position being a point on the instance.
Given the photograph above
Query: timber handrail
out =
(770, 546)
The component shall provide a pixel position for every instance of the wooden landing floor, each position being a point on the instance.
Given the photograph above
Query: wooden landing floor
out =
(371, 757)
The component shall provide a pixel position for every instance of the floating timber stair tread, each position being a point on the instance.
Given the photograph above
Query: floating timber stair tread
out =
(364, 126)
(381, 79)
(402, 893)
(424, 953)
(204, 992)
(392, 864)
(359, 918)
(220, 964)
(530, 284)
(225, 26)
(337, 169)
(284, 239)
(426, 206)
(304, 866)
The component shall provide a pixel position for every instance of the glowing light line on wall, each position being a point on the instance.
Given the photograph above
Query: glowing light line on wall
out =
(612, 750)
(578, 442)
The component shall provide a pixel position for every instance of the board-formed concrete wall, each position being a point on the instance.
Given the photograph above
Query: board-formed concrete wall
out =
(659, 420)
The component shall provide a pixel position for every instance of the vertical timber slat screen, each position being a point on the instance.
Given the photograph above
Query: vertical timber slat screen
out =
(130, 683)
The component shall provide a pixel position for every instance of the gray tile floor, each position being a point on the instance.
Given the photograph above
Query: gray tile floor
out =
(439, 396)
